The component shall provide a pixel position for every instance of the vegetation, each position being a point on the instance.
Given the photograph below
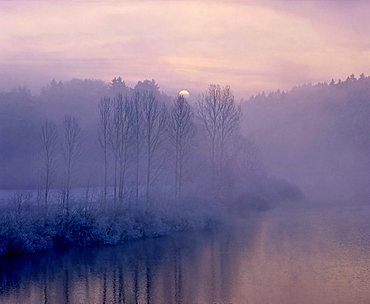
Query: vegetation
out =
(133, 162)
(154, 164)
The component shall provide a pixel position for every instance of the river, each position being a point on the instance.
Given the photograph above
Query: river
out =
(299, 255)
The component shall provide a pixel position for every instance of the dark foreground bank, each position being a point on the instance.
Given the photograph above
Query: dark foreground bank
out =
(28, 230)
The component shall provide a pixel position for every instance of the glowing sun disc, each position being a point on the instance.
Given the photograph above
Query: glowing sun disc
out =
(184, 93)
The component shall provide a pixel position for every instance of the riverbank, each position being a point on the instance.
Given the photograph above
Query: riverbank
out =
(306, 254)
(28, 230)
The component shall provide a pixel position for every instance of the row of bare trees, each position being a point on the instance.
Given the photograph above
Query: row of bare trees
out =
(137, 125)
(129, 125)
(70, 150)
(140, 135)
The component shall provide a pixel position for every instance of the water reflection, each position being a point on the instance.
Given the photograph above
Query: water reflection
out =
(306, 256)
(184, 268)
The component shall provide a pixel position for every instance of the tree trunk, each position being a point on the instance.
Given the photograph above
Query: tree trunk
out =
(137, 158)
(115, 181)
(105, 176)
(148, 176)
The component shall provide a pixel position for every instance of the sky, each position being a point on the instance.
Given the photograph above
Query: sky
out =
(251, 46)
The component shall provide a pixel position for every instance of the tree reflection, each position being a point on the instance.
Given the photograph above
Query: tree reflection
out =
(195, 267)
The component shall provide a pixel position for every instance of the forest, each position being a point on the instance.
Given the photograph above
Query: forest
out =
(316, 135)
(86, 162)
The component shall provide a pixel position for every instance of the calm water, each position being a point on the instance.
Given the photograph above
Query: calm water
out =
(300, 256)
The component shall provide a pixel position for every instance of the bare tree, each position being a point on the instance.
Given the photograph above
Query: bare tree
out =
(48, 137)
(154, 127)
(71, 151)
(114, 139)
(180, 128)
(229, 120)
(105, 119)
(137, 130)
(124, 108)
(209, 112)
(119, 138)
(220, 118)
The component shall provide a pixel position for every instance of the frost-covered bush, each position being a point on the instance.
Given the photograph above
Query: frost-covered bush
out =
(30, 231)
(24, 228)
(24, 233)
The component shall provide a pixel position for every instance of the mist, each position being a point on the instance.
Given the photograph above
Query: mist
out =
(316, 135)
(184, 152)
(84, 145)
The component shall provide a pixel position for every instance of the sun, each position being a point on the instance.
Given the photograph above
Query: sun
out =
(184, 93)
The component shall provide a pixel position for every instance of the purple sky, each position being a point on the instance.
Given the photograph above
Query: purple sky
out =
(252, 46)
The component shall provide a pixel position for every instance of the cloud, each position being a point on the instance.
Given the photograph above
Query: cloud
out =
(252, 46)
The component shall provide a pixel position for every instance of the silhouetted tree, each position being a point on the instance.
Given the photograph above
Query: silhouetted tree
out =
(154, 127)
(137, 118)
(48, 138)
(114, 139)
(71, 150)
(120, 134)
(229, 120)
(124, 109)
(118, 86)
(220, 117)
(104, 128)
(180, 129)
(148, 86)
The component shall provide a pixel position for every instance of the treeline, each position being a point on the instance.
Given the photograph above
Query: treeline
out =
(316, 135)
(22, 113)
(138, 144)
(151, 148)
(156, 165)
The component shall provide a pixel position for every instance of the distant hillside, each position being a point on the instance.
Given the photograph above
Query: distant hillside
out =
(317, 134)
